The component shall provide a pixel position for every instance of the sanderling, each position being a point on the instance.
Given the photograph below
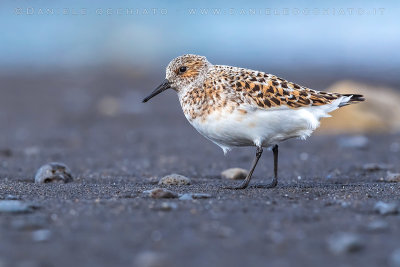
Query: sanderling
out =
(236, 107)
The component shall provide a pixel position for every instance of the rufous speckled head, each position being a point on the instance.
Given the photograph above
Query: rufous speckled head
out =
(183, 72)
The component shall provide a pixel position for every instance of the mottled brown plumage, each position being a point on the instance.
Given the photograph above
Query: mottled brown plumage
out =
(267, 90)
(229, 87)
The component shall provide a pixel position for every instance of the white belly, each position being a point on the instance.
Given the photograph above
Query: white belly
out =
(258, 127)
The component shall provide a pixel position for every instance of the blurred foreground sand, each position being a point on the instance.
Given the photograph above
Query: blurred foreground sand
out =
(380, 113)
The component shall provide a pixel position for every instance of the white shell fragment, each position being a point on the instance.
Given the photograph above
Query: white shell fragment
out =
(53, 172)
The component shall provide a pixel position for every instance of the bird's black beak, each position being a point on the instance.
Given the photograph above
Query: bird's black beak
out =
(161, 88)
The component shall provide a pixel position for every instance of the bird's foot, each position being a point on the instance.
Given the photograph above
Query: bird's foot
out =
(237, 187)
(273, 184)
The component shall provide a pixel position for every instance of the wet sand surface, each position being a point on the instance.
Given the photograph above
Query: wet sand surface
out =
(118, 147)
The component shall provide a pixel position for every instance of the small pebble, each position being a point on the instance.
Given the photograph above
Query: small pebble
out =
(41, 235)
(394, 260)
(234, 174)
(386, 208)
(345, 243)
(167, 206)
(15, 206)
(174, 179)
(190, 196)
(29, 223)
(358, 141)
(343, 204)
(12, 197)
(371, 167)
(53, 172)
(392, 177)
(161, 193)
(378, 226)
(151, 259)
(186, 197)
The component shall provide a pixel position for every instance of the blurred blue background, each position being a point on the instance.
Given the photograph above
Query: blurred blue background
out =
(354, 38)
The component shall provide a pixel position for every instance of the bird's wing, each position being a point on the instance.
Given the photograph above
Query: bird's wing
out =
(269, 91)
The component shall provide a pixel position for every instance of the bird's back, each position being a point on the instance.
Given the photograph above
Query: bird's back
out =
(269, 91)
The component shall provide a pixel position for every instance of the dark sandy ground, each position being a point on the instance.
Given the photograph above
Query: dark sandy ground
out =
(118, 147)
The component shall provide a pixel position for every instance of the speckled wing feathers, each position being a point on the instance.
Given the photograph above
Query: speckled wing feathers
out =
(267, 90)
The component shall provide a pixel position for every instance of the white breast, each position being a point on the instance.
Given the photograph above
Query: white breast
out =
(249, 126)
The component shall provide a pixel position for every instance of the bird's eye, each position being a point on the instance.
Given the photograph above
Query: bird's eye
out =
(182, 69)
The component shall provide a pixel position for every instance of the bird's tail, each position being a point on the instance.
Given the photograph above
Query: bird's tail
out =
(351, 99)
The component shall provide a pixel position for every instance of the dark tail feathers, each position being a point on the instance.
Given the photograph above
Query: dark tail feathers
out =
(354, 99)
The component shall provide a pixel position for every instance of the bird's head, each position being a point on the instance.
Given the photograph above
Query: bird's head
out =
(181, 73)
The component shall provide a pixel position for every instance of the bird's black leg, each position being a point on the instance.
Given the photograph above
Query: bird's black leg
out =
(275, 179)
(246, 181)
